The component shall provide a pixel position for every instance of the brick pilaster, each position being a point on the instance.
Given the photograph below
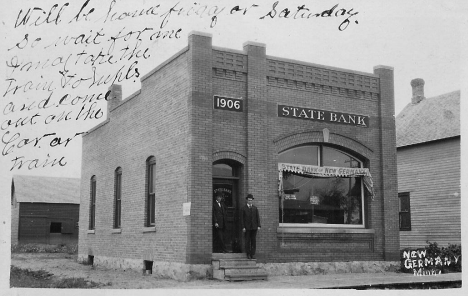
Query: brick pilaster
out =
(388, 171)
(257, 131)
(200, 143)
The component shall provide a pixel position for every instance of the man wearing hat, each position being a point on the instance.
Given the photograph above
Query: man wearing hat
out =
(250, 224)
(219, 220)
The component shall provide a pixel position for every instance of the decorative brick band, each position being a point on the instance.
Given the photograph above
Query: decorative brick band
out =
(288, 242)
(233, 66)
(229, 74)
(218, 155)
(288, 141)
(323, 76)
(322, 88)
(229, 60)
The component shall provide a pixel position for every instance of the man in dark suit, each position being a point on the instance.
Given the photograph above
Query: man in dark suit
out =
(250, 224)
(219, 221)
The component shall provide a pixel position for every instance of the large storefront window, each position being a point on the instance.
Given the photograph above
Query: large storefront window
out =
(321, 186)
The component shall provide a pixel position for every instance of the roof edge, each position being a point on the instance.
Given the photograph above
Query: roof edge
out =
(431, 141)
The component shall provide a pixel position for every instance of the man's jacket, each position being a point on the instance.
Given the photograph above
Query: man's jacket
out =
(250, 219)
(219, 214)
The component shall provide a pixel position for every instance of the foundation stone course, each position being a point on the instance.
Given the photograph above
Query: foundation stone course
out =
(316, 268)
(165, 270)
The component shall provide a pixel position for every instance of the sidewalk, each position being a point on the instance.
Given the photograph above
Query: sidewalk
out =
(65, 266)
(332, 281)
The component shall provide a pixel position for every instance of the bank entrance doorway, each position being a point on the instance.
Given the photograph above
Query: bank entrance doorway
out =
(226, 183)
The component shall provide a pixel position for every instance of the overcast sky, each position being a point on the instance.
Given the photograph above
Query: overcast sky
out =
(418, 39)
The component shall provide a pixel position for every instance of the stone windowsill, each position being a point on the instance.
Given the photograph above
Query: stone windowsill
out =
(295, 229)
(92, 231)
(116, 230)
(149, 229)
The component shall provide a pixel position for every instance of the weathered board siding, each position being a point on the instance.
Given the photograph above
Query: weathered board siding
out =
(431, 173)
(35, 219)
(14, 221)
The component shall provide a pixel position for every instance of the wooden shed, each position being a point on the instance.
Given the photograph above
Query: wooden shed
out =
(44, 210)
(428, 154)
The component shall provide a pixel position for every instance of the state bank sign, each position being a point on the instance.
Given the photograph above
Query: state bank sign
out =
(323, 115)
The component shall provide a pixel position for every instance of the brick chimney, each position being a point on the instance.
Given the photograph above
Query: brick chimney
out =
(114, 98)
(418, 90)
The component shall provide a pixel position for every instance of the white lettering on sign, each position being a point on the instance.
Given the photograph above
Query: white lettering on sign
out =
(230, 104)
(423, 263)
(323, 115)
(222, 190)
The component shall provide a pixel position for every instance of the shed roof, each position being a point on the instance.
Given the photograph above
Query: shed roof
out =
(46, 189)
(429, 120)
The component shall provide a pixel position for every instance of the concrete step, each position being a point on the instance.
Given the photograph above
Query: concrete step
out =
(241, 267)
(217, 256)
(236, 267)
(244, 271)
(218, 274)
(248, 277)
(240, 274)
(218, 264)
(236, 263)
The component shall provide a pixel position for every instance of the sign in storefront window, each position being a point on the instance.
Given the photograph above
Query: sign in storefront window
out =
(313, 192)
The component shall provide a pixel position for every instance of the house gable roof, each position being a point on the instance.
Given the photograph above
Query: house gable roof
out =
(46, 189)
(431, 119)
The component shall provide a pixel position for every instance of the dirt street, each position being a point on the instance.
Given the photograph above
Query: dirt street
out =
(66, 266)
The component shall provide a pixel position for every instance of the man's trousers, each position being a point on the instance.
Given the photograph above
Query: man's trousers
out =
(250, 242)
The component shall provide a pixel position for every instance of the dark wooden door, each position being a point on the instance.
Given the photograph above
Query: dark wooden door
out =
(229, 191)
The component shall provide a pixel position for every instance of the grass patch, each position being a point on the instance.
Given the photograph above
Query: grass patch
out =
(41, 248)
(75, 283)
(26, 278)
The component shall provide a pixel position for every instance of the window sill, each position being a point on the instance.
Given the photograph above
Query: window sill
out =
(91, 231)
(149, 229)
(293, 229)
(116, 230)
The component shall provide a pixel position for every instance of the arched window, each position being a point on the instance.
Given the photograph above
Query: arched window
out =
(92, 203)
(150, 190)
(226, 181)
(224, 170)
(324, 200)
(117, 197)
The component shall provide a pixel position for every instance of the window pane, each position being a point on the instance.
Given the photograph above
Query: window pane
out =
(117, 214)
(222, 169)
(118, 186)
(404, 203)
(339, 200)
(92, 206)
(405, 221)
(151, 174)
(93, 192)
(118, 192)
(328, 200)
(321, 200)
(151, 181)
(336, 158)
(405, 213)
(152, 208)
(55, 227)
(301, 155)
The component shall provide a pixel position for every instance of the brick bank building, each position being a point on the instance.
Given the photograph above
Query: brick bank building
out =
(314, 144)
